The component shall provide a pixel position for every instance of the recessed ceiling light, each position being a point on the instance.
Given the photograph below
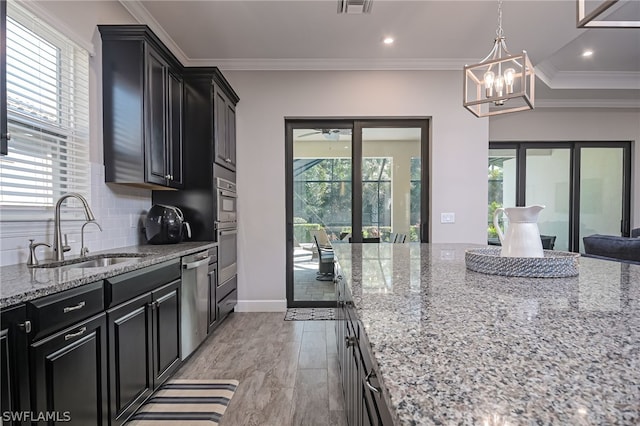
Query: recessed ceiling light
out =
(388, 40)
(587, 53)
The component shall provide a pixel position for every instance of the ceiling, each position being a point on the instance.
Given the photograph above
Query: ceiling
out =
(429, 35)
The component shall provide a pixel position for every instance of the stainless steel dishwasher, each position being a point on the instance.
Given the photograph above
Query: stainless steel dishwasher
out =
(195, 301)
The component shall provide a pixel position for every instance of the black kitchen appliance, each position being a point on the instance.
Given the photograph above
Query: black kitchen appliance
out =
(166, 225)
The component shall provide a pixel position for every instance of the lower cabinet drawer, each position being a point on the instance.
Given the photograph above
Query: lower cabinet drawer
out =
(52, 313)
(227, 304)
(226, 287)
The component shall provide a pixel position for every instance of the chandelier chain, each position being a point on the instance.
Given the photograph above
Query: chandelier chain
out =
(499, 30)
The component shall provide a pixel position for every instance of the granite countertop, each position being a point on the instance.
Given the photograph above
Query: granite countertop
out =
(455, 346)
(20, 284)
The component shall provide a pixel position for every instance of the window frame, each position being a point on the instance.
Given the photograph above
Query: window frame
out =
(69, 151)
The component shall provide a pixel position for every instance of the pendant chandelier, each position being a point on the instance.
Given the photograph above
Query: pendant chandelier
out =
(501, 82)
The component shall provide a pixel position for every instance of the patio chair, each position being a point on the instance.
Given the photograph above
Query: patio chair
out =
(548, 241)
(325, 256)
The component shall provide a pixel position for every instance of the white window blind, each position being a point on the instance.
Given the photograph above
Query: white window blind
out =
(48, 117)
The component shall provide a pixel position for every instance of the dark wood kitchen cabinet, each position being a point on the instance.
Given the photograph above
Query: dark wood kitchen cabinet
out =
(70, 374)
(225, 128)
(142, 109)
(4, 135)
(68, 355)
(14, 368)
(144, 336)
(198, 199)
(364, 405)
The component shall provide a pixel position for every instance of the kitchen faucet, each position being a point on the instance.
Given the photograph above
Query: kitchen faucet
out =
(84, 250)
(57, 234)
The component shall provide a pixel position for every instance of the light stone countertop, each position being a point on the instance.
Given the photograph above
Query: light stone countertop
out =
(20, 284)
(455, 346)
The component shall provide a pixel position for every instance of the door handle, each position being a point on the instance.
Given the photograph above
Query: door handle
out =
(198, 263)
(368, 383)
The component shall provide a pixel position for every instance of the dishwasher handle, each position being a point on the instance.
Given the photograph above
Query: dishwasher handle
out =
(196, 264)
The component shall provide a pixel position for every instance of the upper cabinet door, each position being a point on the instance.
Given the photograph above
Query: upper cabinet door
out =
(142, 101)
(174, 140)
(225, 129)
(4, 136)
(231, 135)
(156, 126)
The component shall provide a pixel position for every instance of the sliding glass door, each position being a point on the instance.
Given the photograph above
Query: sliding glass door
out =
(391, 183)
(548, 178)
(349, 181)
(584, 186)
(602, 200)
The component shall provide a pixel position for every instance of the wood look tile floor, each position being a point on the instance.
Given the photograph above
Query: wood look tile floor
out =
(288, 370)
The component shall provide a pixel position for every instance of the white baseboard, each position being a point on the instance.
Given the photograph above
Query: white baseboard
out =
(261, 306)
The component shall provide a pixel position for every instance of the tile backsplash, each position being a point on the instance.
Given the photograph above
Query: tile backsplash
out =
(118, 209)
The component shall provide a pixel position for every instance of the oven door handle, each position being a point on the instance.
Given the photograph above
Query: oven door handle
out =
(228, 193)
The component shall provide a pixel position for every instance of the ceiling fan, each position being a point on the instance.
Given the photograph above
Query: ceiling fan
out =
(331, 134)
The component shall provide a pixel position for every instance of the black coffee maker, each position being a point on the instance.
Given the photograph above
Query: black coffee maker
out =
(166, 225)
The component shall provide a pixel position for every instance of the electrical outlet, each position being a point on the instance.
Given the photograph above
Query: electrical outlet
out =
(447, 217)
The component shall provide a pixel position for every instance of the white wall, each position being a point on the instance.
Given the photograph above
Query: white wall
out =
(457, 165)
(578, 124)
(116, 208)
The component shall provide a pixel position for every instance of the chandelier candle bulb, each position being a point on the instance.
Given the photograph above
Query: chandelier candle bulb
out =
(489, 76)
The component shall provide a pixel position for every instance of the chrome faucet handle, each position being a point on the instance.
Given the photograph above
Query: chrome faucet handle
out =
(33, 260)
(84, 250)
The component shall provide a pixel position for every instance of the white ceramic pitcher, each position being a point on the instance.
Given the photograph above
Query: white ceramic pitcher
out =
(522, 238)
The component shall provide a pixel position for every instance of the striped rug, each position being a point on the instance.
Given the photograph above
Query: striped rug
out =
(186, 402)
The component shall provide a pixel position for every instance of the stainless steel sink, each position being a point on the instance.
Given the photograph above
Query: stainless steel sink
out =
(95, 261)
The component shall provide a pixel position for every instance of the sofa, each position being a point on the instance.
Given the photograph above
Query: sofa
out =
(611, 247)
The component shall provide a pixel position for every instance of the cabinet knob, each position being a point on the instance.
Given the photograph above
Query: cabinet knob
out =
(228, 160)
(167, 176)
(7, 136)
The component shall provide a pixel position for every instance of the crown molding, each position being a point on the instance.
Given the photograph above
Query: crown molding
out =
(596, 80)
(556, 79)
(142, 15)
(266, 64)
(588, 103)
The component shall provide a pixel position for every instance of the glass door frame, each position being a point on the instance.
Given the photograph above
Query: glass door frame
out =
(356, 125)
(574, 173)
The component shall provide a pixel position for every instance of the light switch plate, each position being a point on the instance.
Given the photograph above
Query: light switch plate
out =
(447, 217)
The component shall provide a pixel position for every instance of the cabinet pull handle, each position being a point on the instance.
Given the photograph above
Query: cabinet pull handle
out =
(74, 308)
(167, 176)
(369, 385)
(26, 326)
(72, 335)
(228, 160)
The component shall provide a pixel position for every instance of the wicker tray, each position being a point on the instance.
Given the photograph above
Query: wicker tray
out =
(554, 264)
